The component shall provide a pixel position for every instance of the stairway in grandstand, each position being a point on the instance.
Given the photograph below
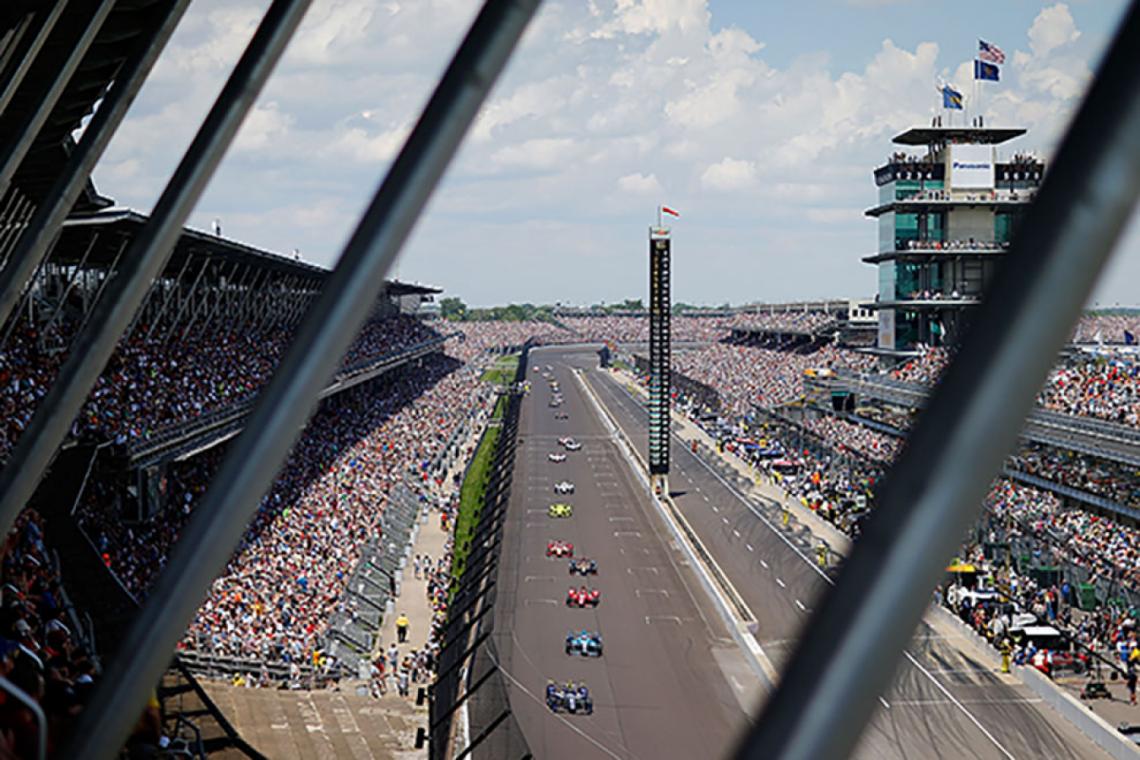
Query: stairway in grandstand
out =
(88, 583)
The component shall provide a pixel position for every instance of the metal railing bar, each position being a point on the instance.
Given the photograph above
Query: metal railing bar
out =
(348, 297)
(853, 643)
(147, 257)
(52, 212)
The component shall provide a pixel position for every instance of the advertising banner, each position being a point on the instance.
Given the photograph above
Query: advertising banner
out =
(971, 167)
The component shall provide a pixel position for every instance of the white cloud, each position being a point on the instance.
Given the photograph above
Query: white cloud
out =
(605, 104)
(540, 153)
(729, 174)
(358, 144)
(640, 184)
(1053, 28)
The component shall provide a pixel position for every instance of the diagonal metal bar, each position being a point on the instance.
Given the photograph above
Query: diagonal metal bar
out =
(53, 210)
(146, 258)
(347, 298)
(28, 55)
(21, 139)
(853, 643)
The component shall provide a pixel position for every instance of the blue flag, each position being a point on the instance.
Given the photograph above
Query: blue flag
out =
(1129, 339)
(951, 98)
(986, 71)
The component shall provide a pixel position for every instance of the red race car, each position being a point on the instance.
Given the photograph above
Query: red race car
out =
(583, 597)
(559, 548)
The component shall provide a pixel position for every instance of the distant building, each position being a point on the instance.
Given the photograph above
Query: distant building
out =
(946, 217)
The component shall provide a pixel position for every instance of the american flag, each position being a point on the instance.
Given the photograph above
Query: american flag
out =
(990, 52)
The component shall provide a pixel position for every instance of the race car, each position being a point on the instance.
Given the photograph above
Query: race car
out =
(560, 509)
(553, 457)
(584, 643)
(565, 440)
(584, 566)
(559, 548)
(561, 416)
(572, 445)
(583, 597)
(571, 698)
(555, 402)
(564, 487)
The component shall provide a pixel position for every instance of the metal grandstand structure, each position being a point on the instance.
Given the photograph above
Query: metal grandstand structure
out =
(65, 60)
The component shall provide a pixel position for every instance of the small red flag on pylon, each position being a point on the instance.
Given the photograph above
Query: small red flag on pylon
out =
(668, 210)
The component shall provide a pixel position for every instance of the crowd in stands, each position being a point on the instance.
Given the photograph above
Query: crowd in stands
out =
(924, 369)
(282, 585)
(827, 481)
(625, 329)
(1108, 389)
(951, 245)
(479, 337)
(790, 321)
(902, 157)
(846, 435)
(39, 650)
(745, 375)
(153, 383)
(1106, 328)
(1115, 481)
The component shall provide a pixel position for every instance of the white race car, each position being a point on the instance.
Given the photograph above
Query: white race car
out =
(564, 487)
(556, 457)
(572, 445)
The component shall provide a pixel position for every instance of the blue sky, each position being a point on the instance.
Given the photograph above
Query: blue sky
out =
(760, 121)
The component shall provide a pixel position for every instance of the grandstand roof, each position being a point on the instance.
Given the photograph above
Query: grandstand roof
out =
(127, 223)
(397, 288)
(975, 135)
(124, 224)
(128, 23)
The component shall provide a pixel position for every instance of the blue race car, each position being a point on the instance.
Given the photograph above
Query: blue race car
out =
(571, 698)
(584, 643)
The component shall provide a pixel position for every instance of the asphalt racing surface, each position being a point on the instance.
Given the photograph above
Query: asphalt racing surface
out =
(671, 681)
(943, 704)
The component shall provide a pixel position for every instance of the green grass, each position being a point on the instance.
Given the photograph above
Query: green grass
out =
(503, 371)
(471, 500)
(500, 408)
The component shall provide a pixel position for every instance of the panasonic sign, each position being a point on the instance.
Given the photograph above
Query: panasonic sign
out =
(971, 167)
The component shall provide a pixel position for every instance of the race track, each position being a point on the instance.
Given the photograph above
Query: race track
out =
(663, 688)
(673, 683)
(944, 703)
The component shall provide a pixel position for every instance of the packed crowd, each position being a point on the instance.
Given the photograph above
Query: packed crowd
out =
(745, 376)
(39, 651)
(848, 435)
(819, 478)
(636, 329)
(902, 157)
(790, 321)
(1106, 328)
(1105, 388)
(282, 585)
(924, 369)
(479, 337)
(951, 245)
(151, 383)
